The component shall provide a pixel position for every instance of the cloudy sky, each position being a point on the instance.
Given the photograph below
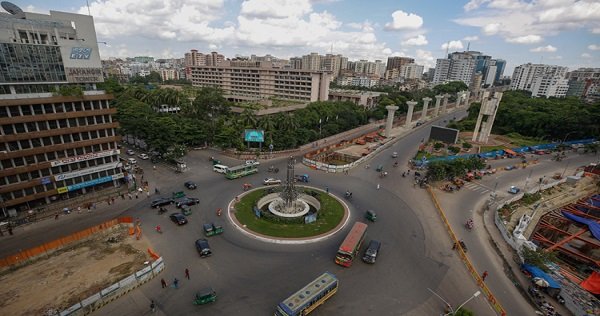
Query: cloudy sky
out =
(562, 32)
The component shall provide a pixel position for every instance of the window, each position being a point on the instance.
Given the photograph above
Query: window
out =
(57, 140)
(18, 194)
(25, 144)
(51, 155)
(70, 152)
(62, 123)
(48, 108)
(76, 137)
(53, 124)
(6, 164)
(12, 179)
(26, 110)
(47, 141)
(40, 158)
(30, 160)
(8, 129)
(43, 125)
(20, 127)
(18, 161)
(14, 111)
(79, 151)
(23, 177)
(31, 126)
(45, 172)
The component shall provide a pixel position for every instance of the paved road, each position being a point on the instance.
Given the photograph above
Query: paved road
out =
(467, 203)
(251, 277)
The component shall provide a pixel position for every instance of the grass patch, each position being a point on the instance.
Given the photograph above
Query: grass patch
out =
(329, 217)
(485, 149)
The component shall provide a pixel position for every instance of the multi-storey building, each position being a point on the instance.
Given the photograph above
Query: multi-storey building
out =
(253, 81)
(549, 86)
(584, 83)
(214, 59)
(296, 62)
(53, 145)
(193, 58)
(461, 66)
(311, 62)
(524, 75)
(398, 62)
(169, 74)
(411, 71)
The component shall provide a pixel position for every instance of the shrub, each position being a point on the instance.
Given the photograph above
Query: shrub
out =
(438, 145)
(466, 145)
(454, 149)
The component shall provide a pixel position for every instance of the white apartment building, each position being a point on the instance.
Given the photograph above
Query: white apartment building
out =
(411, 71)
(254, 81)
(311, 62)
(442, 70)
(459, 66)
(169, 74)
(524, 75)
(549, 86)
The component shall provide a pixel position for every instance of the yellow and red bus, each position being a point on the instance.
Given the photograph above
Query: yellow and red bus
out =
(351, 245)
(309, 297)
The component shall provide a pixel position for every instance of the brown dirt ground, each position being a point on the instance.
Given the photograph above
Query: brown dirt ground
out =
(68, 276)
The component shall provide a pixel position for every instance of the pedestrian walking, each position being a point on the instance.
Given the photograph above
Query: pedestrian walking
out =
(176, 283)
(484, 275)
(129, 195)
(152, 306)
(378, 186)
(148, 194)
(56, 216)
(187, 273)
(327, 190)
(136, 194)
(163, 283)
(79, 209)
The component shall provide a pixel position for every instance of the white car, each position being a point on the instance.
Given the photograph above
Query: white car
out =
(130, 152)
(394, 155)
(271, 181)
(143, 156)
(252, 163)
(131, 161)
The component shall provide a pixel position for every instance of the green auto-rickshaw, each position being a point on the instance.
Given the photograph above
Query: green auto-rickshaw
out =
(370, 215)
(205, 296)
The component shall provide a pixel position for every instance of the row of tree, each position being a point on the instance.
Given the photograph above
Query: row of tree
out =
(541, 118)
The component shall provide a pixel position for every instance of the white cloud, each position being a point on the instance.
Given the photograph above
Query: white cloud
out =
(527, 39)
(364, 26)
(543, 49)
(578, 11)
(471, 38)
(452, 45)
(425, 58)
(586, 55)
(474, 4)
(419, 40)
(491, 29)
(555, 57)
(516, 18)
(593, 47)
(404, 21)
(275, 9)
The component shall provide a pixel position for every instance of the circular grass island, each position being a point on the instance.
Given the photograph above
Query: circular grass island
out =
(328, 217)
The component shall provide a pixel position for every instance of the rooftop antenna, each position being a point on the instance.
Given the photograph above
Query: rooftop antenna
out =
(88, 6)
(468, 46)
(331, 52)
(447, 47)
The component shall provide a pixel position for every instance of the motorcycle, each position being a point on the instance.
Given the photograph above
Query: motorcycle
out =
(219, 211)
(158, 229)
(396, 164)
(348, 195)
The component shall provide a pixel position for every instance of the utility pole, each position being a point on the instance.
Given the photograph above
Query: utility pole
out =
(527, 181)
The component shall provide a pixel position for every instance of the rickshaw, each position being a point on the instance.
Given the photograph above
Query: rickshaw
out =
(177, 195)
(205, 296)
(370, 215)
(379, 168)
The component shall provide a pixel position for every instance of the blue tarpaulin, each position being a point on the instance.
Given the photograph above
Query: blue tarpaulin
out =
(592, 225)
(538, 273)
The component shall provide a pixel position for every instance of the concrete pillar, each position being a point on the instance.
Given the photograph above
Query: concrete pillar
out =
(467, 98)
(445, 103)
(459, 96)
(436, 110)
(390, 119)
(411, 108)
(425, 106)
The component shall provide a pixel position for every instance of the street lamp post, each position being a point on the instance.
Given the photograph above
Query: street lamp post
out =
(565, 139)
(452, 310)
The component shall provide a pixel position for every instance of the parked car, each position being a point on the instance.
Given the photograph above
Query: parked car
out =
(271, 181)
(178, 218)
(161, 202)
(190, 185)
(511, 167)
(143, 156)
(252, 163)
(513, 190)
(130, 152)
(131, 161)
(419, 123)
(372, 251)
(203, 248)
(188, 201)
(394, 155)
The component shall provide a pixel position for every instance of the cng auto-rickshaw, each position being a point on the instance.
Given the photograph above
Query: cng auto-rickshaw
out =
(205, 296)
(370, 215)
(379, 168)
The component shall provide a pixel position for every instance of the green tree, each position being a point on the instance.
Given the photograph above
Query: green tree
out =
(248, 119)
(538, 257)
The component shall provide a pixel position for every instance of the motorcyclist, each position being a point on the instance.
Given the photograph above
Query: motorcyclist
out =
(403, 174)
(396, 164)
(219, 211)
(158, 229)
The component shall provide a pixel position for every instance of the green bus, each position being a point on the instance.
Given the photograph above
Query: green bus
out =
(240, 171)
(309, 297)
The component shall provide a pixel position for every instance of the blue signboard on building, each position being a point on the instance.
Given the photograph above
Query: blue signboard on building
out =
(254, 135)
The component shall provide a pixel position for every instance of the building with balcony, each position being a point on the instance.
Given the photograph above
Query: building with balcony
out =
(243, 81)
(54, 144)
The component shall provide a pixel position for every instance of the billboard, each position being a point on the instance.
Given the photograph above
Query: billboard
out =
(254, 135)
(444, 134)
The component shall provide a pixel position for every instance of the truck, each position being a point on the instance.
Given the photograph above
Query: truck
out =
(210, 229)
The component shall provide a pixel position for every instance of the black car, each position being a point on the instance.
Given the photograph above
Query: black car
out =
(189, 201)
(178, 218)
(190, 185)
(161, 202)
(203, 247)
(372, 251)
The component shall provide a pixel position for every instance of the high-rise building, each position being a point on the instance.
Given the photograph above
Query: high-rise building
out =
(584, 83)
(524, 76)
(500, 66)
(193, 58)
(549, 86)
(54, 145)
(214, 58)
(398, 62)
(254, 81)
(459, 66)
(311, 62)
(296, 62)
(411, 71)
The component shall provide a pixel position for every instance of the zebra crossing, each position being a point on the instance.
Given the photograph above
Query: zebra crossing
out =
(476, 187)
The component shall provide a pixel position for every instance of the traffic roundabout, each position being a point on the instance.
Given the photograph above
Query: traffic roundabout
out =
(259, 213)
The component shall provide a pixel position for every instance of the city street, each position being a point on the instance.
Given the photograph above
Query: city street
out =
(252, 276)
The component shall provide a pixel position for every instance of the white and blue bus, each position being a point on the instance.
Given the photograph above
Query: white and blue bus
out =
(309, 297)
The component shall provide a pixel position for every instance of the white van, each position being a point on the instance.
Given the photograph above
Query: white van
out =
(131, 161)
(220, 168)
